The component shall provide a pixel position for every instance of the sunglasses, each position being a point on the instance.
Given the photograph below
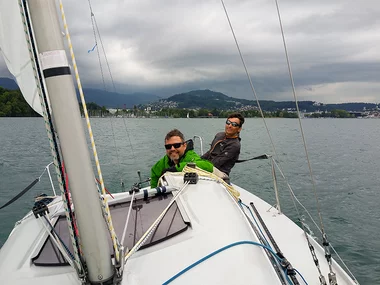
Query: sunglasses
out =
(176, 145)
(228, 122)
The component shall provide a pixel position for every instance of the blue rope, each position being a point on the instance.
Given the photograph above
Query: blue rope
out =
(216, 252)
(300, 275)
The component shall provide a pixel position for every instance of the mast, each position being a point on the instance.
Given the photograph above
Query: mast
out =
(91, 225)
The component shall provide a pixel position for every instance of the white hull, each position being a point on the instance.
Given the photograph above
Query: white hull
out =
(216, 221)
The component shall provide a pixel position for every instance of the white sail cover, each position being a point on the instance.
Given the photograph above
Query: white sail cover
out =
(14, 49)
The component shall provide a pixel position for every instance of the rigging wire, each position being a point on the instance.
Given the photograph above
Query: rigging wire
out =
(249, 79)
(254, 92)
(96, 32)
(299, 116)
(325, 242)
(332, 276)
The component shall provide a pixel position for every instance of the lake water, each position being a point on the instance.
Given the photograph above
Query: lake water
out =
(344, 154)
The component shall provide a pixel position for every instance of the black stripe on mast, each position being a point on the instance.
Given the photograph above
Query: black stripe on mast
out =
(57, 71)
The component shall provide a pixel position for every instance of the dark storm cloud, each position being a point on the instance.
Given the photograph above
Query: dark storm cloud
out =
(168, 47)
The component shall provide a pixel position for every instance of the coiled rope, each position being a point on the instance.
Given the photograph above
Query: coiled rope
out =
(204, 173)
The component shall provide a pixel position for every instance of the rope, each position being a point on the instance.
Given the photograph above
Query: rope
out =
(129, 214)
(30, 186)
(49, 129)
(205, 173)
(105, 208)
(223, 249)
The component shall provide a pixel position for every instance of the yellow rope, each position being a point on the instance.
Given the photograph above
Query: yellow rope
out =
(106, 210)
(205, 173)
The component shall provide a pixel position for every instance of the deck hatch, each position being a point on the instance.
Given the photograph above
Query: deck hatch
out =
(143, 214)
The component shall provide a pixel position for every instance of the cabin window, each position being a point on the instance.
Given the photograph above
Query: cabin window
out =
(143, 214)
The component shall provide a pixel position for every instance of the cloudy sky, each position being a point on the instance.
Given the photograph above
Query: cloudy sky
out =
(171, 46)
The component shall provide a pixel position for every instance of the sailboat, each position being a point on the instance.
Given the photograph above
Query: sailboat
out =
(166, 235)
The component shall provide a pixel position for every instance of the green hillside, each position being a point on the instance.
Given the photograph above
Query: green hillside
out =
(207, 99)
(13, 104)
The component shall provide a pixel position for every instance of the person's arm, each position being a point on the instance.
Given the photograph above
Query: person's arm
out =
(156, 172)
(153, 178)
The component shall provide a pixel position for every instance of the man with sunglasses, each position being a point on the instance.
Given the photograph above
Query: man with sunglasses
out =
(178, 154)
(225, 148)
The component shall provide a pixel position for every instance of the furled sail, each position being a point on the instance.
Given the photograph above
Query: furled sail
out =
(13, 47)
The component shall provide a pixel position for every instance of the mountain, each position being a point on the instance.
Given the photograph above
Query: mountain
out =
(117, 100)
(207, 99)
(204, 99)
(8, 83)
(100, 97)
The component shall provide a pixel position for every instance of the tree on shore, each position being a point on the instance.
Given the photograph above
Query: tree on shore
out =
(13, 104)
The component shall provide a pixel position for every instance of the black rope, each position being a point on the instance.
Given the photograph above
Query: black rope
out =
(21, 193)
(264, 156)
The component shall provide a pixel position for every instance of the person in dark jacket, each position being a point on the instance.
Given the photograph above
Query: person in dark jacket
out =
(178, 153)
(225, 148)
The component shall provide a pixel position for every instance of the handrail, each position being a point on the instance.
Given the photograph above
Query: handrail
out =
(200, 139)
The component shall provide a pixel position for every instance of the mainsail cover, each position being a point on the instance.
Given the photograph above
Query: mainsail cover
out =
(14, 48)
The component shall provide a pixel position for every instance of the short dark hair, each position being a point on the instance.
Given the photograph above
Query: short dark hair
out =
(237, 115)
(175, 133)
